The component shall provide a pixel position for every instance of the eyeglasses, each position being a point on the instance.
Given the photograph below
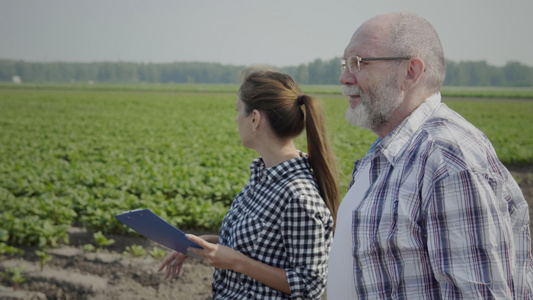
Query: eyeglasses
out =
(355, 62)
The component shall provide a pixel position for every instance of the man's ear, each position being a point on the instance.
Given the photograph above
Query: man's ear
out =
(414, 73)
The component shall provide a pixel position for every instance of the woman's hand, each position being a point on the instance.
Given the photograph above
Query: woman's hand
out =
(222, 257)
(173, 262)
(216, 255)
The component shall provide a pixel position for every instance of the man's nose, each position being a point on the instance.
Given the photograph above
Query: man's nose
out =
(347, 78)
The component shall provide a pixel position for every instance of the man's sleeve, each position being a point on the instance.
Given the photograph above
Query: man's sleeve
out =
(470, 238)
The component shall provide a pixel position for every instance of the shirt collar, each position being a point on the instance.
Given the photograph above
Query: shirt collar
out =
(395, 141)
(259, 170)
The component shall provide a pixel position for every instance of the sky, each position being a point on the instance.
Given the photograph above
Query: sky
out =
(243, 32)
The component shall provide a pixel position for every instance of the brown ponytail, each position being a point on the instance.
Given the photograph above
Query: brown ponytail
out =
(289, 112)
(320, 154)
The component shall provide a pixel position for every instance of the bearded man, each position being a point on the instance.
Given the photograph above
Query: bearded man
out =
(431, 212)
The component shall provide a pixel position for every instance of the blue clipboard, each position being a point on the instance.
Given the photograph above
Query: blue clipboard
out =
(151, 226)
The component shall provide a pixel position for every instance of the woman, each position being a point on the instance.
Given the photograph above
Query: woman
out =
(275, 238)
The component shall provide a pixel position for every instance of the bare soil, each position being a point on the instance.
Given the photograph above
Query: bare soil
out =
(108, 274)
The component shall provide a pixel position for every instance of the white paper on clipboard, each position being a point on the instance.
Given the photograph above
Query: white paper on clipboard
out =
(151, 226)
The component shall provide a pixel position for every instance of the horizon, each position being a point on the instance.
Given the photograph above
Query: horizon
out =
(243, 32)
(223, 64)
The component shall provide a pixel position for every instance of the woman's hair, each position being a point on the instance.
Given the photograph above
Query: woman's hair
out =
(289, 111)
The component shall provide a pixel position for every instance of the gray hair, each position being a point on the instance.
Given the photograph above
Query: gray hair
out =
(412, 35)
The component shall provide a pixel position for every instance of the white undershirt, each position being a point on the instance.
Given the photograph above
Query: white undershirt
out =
(340, 265)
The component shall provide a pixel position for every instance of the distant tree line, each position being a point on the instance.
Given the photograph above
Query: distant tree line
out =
(469, 73)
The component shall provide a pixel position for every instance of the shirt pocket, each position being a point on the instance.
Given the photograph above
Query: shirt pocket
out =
(247, 233)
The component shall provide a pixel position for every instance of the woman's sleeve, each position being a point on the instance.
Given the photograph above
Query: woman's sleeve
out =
(307, 235)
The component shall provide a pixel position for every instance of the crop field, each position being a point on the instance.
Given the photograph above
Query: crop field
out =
(78, 156)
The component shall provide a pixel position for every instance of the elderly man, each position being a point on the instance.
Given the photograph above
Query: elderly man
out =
(431, 212)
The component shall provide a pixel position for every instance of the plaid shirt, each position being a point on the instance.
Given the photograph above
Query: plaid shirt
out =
(441, 217)
(279, 219)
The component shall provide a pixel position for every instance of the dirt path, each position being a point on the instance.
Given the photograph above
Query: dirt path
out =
(108, 274)
(73, 274)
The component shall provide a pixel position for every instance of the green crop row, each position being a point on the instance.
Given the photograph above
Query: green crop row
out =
(78, 157)
(447, 91)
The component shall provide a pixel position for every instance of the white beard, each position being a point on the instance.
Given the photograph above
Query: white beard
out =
(376, 106)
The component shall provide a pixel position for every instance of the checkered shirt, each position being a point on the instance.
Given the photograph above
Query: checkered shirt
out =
(442, 217)
(279, 219)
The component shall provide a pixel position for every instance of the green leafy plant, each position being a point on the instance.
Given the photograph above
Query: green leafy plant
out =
(6, 249)
(44, 257)
(135, 250)
(157, 253)
(15, 275)
(101, 241)
(88, 248)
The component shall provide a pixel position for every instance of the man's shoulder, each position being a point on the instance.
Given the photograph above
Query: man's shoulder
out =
(446, 126)
(435, 126)
(447, 139)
